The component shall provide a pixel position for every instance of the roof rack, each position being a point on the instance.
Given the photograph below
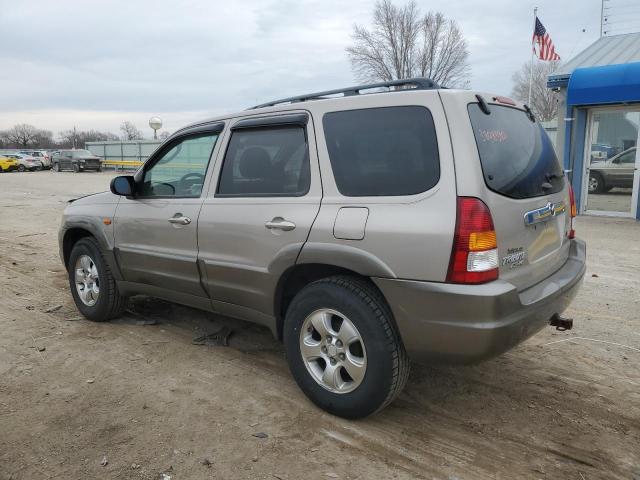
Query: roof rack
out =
(418, 83)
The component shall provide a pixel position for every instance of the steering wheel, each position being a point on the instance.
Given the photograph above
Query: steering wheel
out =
(182, 183)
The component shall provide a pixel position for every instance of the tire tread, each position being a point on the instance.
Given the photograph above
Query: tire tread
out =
(116, 303)
(377, 303)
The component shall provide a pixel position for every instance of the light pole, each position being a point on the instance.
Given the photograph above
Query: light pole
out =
(156, 124)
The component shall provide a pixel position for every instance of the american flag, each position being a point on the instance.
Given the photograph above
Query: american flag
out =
(546, 50)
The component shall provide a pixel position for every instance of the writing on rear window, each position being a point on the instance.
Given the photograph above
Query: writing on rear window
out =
(493, 135)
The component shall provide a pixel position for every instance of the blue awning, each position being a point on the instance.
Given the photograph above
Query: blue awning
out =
(605, 85)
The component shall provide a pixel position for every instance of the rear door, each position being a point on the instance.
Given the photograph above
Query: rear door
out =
(512, 166)
(255, 220)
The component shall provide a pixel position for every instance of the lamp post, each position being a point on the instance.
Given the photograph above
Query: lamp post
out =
(156, 124)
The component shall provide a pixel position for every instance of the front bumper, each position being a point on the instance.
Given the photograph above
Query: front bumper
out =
(470, 323)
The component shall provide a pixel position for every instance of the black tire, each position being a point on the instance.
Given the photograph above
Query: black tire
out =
(387, 364)
(110, 304)
(56, 167)
(21, 168)
(596, 183)
(76, 168)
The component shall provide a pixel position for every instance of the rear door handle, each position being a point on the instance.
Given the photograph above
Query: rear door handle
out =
(279, 223)
(180, 219)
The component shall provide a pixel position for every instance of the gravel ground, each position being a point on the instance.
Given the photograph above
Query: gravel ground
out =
(134, 399)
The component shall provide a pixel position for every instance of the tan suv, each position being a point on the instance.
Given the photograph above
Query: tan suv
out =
(364, 228)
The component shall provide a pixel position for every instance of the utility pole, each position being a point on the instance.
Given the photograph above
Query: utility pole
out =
(74, 137)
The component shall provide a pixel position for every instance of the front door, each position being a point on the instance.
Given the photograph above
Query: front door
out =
(255, 220)
(612, 161)
(156, 229)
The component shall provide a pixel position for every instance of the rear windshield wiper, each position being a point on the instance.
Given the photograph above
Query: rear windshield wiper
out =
(529, 113)
(483, 105)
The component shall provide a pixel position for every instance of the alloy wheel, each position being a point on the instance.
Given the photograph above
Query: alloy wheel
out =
(87, 280)
(333, 351)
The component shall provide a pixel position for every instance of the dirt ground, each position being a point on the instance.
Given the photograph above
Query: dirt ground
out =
(134, 399)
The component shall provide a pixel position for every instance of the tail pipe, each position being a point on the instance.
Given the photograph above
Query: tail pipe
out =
(561, 323)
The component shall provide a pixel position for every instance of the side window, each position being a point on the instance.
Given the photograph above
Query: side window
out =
(266, 161)
(181, 170)
(387, 151)
(629, 157)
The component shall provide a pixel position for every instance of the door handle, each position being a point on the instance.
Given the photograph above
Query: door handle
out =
(180, 219)
(279, 223)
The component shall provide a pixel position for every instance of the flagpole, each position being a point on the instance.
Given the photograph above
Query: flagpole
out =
(535, 15)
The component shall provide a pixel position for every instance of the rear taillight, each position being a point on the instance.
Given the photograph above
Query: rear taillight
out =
(574, 212)
(474, 257)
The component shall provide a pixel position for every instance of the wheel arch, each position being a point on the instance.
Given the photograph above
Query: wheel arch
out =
(73, 233)
(299, 276)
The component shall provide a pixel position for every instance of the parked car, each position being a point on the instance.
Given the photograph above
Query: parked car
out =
(363, 230)
(76, 160)
(43, 156)
(618, 171)
(26, 162)
(8, 164)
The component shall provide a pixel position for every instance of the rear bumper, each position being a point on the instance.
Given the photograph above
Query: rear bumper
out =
(471, 323)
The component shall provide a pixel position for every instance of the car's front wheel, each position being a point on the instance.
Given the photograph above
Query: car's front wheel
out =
(21, 168)
(76, 167)
(92, 284)
(343, 348)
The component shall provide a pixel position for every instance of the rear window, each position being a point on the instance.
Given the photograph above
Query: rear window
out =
(517, 157)
(386, 151)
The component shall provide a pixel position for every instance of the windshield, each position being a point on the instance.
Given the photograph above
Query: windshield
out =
(517, 157)
(82, 153)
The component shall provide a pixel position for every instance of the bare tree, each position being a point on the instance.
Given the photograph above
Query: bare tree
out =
(22, 135)
(164, 135)
(130, 131)
(544, 101)
(81, 137)
(403, 43)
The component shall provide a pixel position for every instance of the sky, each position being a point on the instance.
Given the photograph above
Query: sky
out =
(95, 64)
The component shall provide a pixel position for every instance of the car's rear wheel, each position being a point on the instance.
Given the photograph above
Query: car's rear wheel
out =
(92, 284)
(343, 348)
(21, 168)
(56, 167)
(596, 183)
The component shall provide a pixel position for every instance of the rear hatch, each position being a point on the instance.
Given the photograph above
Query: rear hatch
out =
(526, 192)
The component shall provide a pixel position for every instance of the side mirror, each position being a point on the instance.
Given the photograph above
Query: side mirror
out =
(123, 185)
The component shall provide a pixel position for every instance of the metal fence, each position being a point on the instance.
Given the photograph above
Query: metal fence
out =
(130, 154)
